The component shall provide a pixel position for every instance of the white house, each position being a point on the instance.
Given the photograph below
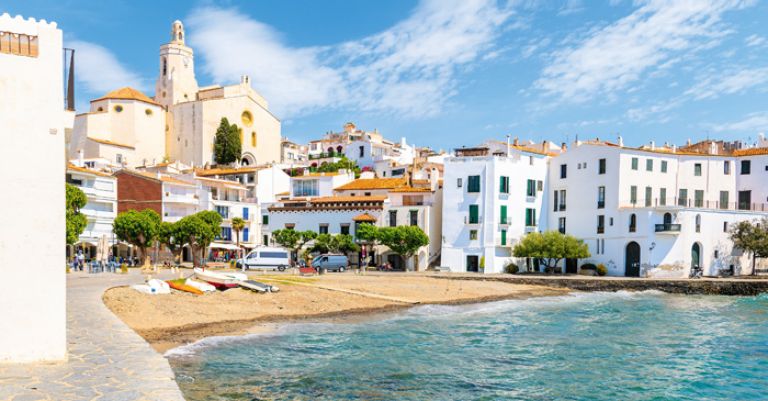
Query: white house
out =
(33, 124)
(490, 200)
(101, 190)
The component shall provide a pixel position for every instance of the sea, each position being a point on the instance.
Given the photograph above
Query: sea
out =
(581, 346)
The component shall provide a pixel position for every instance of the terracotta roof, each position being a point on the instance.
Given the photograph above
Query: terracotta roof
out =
(527, 149)
(374, 183)
(227, 170)
(220, 181)
(316, 175)
(163, 178)
(342, 199)
(127, 94)
(751, 152)
(72, 167)
(411, 189)
(364, 217)
(108, 142)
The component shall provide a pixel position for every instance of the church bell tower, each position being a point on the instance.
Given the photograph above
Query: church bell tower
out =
(176, 81)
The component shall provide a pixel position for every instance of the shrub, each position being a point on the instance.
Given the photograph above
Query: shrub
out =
(602, 270)
(511, 268)
(588, 266)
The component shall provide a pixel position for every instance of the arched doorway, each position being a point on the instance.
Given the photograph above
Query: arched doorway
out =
(696, 256)
(632, 260)
(667, 219)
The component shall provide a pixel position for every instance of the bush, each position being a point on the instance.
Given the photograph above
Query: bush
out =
(602, 270)
(588, 266)
(511, 268)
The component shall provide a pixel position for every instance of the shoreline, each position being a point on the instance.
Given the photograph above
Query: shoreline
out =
(171, 321)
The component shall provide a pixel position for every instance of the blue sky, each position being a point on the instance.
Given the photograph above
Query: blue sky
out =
(448, 73)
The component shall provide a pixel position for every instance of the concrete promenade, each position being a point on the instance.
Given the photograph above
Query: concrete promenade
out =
(107, 360)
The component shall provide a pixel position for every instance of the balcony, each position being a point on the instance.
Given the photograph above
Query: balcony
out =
(470, 221)
(668, 228)
(600, 229)
(505, 221)
(692, 203)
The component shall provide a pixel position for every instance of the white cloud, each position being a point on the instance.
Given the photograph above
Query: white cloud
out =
(100, 71)
(728, 83)
(609, 59)
(408, 69)
(571, 7)
(755, 40)
(753, 122)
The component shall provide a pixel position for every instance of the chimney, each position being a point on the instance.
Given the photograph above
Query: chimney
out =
(563, 147)
(674, 148)
(712, 148)
(653, 145)
(688, 143)
(621, 141)
(516, 142)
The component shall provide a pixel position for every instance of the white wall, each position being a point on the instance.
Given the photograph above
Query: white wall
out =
(32, 123)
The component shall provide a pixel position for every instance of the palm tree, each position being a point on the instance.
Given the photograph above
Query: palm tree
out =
(238, 224)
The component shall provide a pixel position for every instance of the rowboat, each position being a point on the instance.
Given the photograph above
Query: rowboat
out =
(183, 287)
(218, 280)
(200, 285)
(257, 286)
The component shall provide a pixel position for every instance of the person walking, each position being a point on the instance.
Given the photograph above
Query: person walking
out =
(80, 259)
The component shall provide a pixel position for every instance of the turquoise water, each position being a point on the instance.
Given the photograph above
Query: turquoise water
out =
(593, 346)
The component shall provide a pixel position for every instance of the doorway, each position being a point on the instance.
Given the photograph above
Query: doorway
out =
(695, 256)
(473, 263)
(571, 266)
(632, 260)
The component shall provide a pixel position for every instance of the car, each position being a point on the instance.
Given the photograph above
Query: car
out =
(266, 258)
(331, 262)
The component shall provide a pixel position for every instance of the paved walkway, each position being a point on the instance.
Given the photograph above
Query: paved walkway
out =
(107, 360)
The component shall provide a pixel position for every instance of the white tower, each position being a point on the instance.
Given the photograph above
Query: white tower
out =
(176, 81)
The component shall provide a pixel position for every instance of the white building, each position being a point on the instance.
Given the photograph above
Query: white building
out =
(364, 147)
(490, 200)
(101, 190)
(33, 124)
(229, 199)
(657, 210)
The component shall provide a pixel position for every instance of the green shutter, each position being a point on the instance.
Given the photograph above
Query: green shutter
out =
(503, 237)
(503, 214)
(473, 214)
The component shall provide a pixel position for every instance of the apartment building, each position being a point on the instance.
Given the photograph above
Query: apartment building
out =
(172, 198)
(101, 190)
(228, 198)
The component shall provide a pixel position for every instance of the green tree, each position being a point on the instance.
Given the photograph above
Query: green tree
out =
(213, 219)
(551, 247)
(341, 243)
(343, 163)
(138, 228)
(76, 221)
(293, 240)
(169, 236)
(227, 146)
(238, 225)
(198, 233)
(402, 240)
(751, 237)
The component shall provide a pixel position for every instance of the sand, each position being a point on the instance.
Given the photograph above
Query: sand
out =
(167, 321)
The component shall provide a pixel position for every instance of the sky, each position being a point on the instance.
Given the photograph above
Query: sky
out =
(448, 73)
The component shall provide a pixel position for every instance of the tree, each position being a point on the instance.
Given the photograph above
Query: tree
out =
(551, 247)
(198, 233)
(292, 239)
(138, 228)
(227, 146)
(213, 220)
(751, 237)
(170, 236)
(76, 221)
(402, 240)
(341, 243)
(238, 224)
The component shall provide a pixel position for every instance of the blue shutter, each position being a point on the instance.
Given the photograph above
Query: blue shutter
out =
(245, 234)
(245, 213)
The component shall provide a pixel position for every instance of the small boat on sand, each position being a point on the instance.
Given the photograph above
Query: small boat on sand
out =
(200, 285)
(217, 279)
(257, 286)
(184, 287)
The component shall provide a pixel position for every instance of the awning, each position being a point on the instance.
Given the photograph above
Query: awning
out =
(89, 243)
(248, 245)
(220, 245)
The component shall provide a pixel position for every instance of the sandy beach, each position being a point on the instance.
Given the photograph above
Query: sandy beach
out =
(167, 321)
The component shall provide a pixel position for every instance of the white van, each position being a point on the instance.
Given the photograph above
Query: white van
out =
(267, 258)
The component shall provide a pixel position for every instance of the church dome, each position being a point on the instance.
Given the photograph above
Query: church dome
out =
(127, 93)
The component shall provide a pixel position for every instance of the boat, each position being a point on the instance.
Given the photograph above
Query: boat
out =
(257, 286)
(200, 285)
(216, 279)
(234, 275)
(184, 287)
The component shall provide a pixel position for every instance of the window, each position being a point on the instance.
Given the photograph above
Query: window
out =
(503, 237)
(473, 183)
(600, 224)
(724, 199)
(474, 214)
(119, 158)
(265, 239)
(649, 165)
(393, 218)
(746, 166)
(362, 151)
(344, 229)
(663, 166)
(561, 225)
(148, 112)
(717, 254)
(472, 235)
(698, 223)
(322, 229)
(246, 232)
(745, 200)
(539, 185)
(530, 189)
(633, 194)
(563, 170)
(662, 196)
(698, 198)
(697, 169)
(610, 222)
(118, 108)
(265, 219)
(247, 118)
(305, 188)
(503, 214)
(556, 203)
(600, 197)
(530, 160)
(725, 226)
(253, 141)
(245, 213)
(632, 222)
(226, 233)
(458, 182)
(727, 167)
(530, 217)
(414, 217)
(223, 211)
(504, 184)
(561, 205)
(634, 163)
(648, 196)
(682, 198)
(601, 166)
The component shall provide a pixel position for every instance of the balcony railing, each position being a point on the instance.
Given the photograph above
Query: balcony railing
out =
(668, 227)
(468, 220)
(505, 221)
(673, 202)
(325, 155)
(600, 229)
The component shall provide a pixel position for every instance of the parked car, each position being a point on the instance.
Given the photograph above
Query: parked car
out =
(266, 258)
(331, 262)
